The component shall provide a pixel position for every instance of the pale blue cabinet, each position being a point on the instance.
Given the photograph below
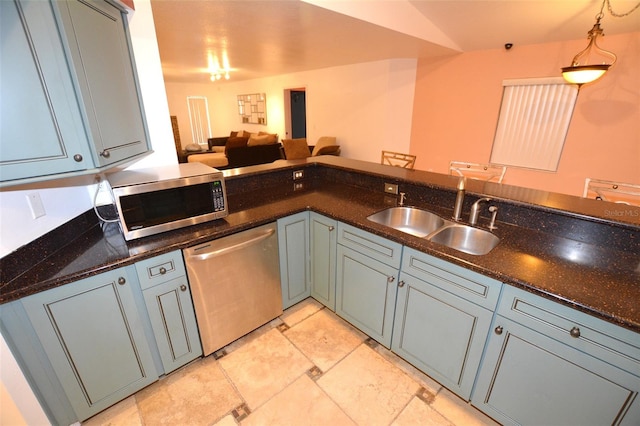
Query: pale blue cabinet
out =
(323, 232)
(443, 315)
(92, 334)
(548, 364)
(70, 97)
(366, 281)
(168, 301)
(293, 249)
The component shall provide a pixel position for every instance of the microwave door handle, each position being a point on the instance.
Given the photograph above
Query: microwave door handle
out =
(228, 249)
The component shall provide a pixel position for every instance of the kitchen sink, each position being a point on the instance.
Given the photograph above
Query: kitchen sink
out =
(465, 238)
(410, 220)
(424, 224)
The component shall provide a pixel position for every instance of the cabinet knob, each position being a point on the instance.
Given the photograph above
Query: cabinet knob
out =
(498, 330)
(163, 270)
(575, 332)
(400, 283)
(331, 228)
(391, 279)
(77, 158)
(105, 153)
(183, 287)
(122, 281)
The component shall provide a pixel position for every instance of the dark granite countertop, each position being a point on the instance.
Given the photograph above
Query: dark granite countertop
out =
(585, 266)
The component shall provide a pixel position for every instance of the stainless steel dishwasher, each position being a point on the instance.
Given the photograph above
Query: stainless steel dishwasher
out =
(235, 284)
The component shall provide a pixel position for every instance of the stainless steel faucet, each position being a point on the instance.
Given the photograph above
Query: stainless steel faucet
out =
(457, 208)
(475, 210)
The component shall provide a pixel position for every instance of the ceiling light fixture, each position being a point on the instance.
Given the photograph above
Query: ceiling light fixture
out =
(580, 72)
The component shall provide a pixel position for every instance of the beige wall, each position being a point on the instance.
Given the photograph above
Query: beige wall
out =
(457, 102)
(368, 106)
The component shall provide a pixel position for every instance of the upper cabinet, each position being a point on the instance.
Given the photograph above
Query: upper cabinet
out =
(70, 97)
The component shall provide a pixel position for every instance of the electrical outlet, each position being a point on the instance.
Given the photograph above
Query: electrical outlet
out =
(391, 188)
(298, 186)
(298, 174)
(35, 204)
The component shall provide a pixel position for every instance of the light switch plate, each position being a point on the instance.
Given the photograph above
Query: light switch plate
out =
(35, 204)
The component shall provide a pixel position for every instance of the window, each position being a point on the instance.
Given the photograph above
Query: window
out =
(533, 122)
(199, 119)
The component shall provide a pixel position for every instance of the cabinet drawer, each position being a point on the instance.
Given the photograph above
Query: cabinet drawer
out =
(370, 245)
(469, 285)
(606, 341)
(160, 269)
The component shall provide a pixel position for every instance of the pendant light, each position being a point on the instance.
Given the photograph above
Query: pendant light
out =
(581, 72)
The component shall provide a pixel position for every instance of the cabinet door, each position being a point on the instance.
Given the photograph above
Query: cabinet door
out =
(41, 130)
(440, 333)
(528, 378)
(323, 259)
(98, 44)
(174, 323)
(366, 293)
(92, 334)
(293, 247)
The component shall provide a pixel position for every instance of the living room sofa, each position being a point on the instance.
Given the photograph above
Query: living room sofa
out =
(240, 149)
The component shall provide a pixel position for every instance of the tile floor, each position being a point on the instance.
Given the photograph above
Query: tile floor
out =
(307, 367)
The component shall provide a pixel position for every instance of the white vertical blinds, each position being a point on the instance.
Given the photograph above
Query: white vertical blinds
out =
(199, 118)
(533, 122)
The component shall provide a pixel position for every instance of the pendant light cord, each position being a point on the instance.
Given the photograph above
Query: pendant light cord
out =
(616, 14)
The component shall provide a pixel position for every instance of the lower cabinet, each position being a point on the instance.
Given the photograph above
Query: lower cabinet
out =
(168, 301)
(366, 286)
(323, 232)
(569, 369)
(293, 250)
(440, 324)
(92, 336)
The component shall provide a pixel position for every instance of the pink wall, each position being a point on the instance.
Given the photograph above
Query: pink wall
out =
(458, 98)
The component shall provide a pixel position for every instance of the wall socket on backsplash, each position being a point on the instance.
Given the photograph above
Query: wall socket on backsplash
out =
(298, 174)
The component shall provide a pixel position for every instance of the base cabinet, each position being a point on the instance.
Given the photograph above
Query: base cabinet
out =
(366, 281)
(537, 377)
(293, 250)
(93, 338)
(167, 297)
(443, 316)
(323, 232)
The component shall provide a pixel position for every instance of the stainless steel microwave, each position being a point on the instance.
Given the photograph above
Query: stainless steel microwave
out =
(151, 201)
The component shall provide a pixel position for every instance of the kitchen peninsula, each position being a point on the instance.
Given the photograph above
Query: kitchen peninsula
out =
(582, 255)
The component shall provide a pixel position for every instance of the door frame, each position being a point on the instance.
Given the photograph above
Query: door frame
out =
(287, 109)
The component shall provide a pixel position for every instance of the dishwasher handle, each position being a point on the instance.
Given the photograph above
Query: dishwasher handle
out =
(228, 249)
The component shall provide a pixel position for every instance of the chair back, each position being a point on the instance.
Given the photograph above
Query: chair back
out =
(486, 172)
(616, 192)
(398, 159)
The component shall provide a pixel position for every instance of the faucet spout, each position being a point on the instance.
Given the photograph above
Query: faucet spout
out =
(475, 210)
(457, 208)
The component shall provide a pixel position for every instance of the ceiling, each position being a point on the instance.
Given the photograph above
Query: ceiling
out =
(262, 38)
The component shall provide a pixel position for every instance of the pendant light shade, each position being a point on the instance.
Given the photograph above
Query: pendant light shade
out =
(581, 70)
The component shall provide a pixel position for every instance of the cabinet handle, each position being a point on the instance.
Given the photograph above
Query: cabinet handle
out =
(498, 330)
(163, 270)
(77, 158)
(575, 332)
(331, 228)
(122, 281)
(391, 279)
(400, 283)
(105, 153)
(183, 287)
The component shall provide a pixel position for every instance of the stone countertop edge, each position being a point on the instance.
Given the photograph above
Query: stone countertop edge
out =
(502, 263)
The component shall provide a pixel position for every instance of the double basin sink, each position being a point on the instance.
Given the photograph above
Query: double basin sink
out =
(424, 224)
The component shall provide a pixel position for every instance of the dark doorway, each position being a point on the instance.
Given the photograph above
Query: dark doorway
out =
(298, 114)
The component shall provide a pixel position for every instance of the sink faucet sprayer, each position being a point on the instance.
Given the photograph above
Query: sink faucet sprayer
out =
(457, 209)
(402, 198)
